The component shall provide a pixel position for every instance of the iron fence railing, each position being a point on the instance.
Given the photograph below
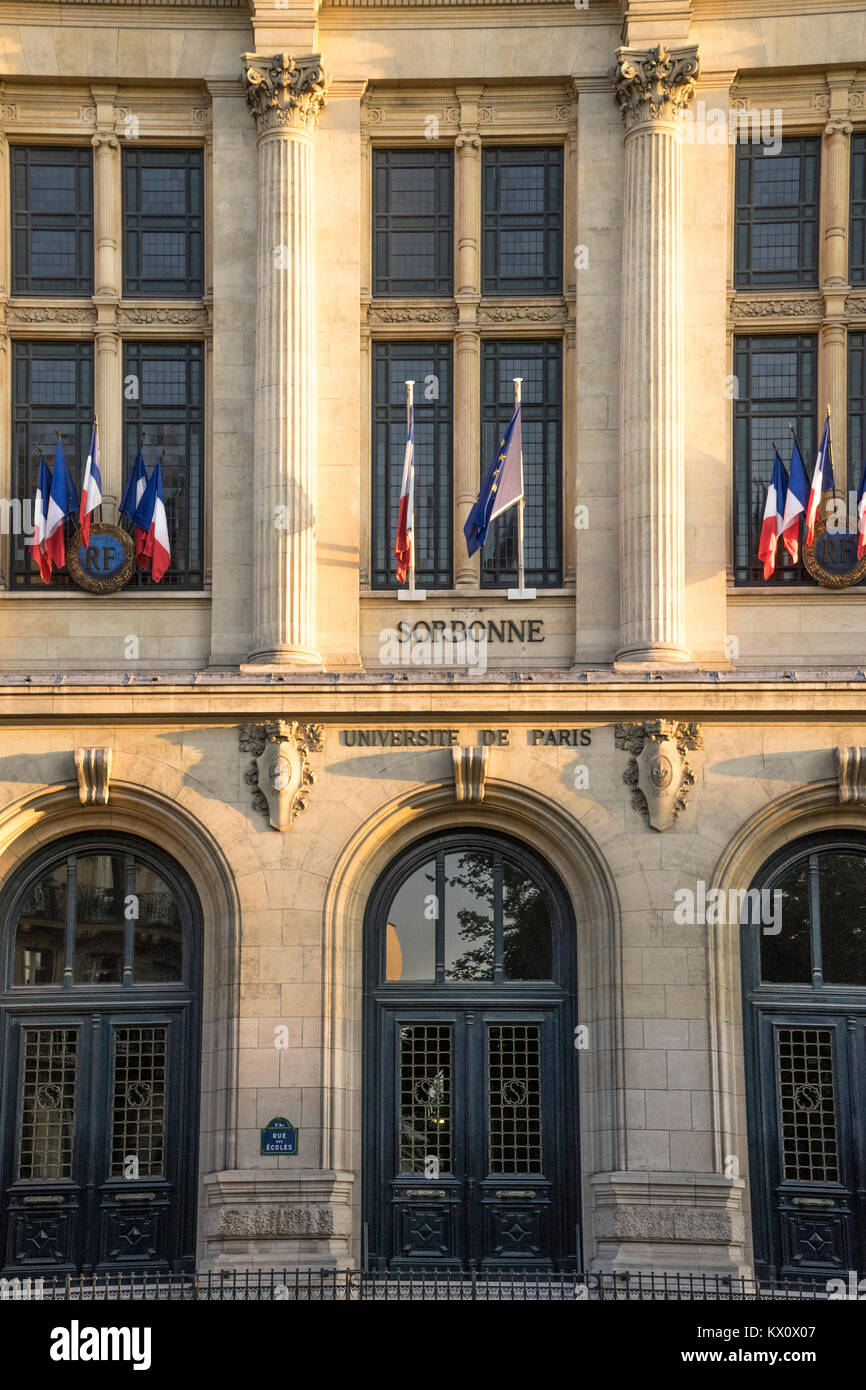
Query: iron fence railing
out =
(421, 1286)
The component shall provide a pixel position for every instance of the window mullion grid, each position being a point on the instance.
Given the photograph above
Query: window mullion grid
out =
(498, 924)
(71, 898)
(815, 919)
(752, 407)
(440, 917)
(129, 919)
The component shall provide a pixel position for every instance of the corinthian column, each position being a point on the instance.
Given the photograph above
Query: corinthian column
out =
(285, 95)
(653, 87)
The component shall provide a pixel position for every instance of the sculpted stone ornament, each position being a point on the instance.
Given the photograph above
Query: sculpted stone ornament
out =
(280, 770)
(654, 84)
(659, 771)
(93, 770)
(285, 92)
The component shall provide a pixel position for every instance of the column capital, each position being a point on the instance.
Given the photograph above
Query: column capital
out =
(838, 127)
(284, 93)
(654, 84)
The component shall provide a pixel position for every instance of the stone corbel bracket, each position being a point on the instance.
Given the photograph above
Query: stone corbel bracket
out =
(280, 770)
(470, 771)
(851, 773)
(93, 769)
(659, 771)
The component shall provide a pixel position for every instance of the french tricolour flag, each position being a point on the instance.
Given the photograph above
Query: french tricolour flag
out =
(62, 502)
(91, 488)
(861, 515)
(822, 481)
(40, 508)
(774, 512)
(405, 542)
(795, 503)
(131, 500)
(151, 519)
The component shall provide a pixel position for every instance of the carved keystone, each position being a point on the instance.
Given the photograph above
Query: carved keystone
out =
(93, 767)
(659, 772)
(851, 772)
(470, 770)
(280, 770)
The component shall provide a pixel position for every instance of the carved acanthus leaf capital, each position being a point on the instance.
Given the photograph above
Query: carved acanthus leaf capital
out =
(654, 84)
(283, 92)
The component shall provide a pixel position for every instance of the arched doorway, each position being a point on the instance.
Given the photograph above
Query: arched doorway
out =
(99, 999)
(470, 1091)
(805, 1031)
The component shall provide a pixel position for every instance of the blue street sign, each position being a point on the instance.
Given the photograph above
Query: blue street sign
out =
(279, 1137)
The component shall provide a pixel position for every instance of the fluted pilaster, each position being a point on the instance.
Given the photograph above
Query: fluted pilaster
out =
(285, 96)
(107, 207)
(652, 87)
(108, 391)
(833, 372)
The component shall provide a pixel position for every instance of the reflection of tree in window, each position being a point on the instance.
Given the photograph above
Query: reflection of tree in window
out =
(469, 898)
(524, 924)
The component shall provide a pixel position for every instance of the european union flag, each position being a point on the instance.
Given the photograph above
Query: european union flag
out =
(502, 487)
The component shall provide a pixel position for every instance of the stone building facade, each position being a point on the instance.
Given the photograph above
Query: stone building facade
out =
(630, 1065)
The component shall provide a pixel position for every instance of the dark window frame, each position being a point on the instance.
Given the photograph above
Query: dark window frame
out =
(68, 850)
(24, 222)
(137, 222)
(752, 476)
(33, 433)
(496, 571)
(386, 223)
(153, 420)
(856, 406)
(388, 446)
(548, 223)
(805, 214)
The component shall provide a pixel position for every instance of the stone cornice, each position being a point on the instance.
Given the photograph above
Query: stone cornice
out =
(654, 84)
(283, 92)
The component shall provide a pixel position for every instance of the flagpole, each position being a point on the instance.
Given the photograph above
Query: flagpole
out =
(410, 592)
(521, 591)
(410, 401)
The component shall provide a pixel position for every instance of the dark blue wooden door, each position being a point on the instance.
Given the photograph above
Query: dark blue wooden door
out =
(471, 1167)
(470, 1156)
(93, 1176)
(99, 1046)
(812, 1122)
(804, 971)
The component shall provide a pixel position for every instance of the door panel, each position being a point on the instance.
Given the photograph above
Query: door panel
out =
(471, 1163)
(93, 1180)
(814, 1171)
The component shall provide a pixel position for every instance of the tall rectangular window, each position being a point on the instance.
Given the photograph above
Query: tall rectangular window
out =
(856, 406)
(167, 417)
(857, 229)
(777, 382)
(52, 394)
(539, 363)
(52, 220)
(521, 217)
(413, 198)
(163, 222)
(429, 366)
(776, 232)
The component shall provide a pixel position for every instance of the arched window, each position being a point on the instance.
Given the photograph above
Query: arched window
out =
(99, 914)
(468, 912)
(821, 939)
